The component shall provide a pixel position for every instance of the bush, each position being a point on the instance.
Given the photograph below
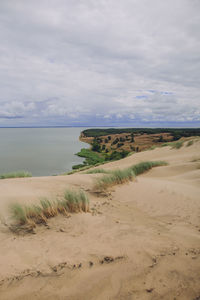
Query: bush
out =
(115, 155)
(120, 145)
(96, 147)
(115, 141)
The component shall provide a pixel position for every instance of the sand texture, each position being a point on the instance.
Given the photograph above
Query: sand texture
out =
(141, 240)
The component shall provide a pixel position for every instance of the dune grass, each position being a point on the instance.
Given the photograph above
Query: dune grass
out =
(114, 178)
(146, 165)
(177, 145)
(174, 145)
(121, 176)
(18, 174)
(96, 171)
(190, 143)
(151, 148)
(76, 201)
(18, 213)
(73, 201)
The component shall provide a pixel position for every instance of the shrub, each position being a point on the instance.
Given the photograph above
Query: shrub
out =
(96, 147)
(160, 139)
(120, 145)
(115, 141)
(132, 138)
(115, 155)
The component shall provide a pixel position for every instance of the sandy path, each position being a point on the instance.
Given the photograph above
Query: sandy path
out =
(141, 242)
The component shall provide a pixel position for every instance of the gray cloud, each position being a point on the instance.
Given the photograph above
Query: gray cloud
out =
(66, 62)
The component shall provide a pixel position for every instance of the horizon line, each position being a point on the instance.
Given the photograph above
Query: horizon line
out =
(95, 126)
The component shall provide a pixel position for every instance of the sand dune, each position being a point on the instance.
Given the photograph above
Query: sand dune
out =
(140, 241)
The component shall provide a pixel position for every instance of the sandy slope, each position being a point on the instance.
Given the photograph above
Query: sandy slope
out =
(141, 242)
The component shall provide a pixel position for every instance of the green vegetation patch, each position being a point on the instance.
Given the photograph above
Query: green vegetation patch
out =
(90, 156)
(19, 174)
(93, 158)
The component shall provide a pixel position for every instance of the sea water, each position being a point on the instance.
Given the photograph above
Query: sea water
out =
(40, 151)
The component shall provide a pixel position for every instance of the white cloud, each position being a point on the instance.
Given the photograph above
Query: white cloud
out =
(116, 60)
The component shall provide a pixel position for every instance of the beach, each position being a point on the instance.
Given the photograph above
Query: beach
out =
(140, 240)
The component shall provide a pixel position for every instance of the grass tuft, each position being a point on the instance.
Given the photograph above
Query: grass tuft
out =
(76, 201)
(73, 201)
(121, 176)
(18, 213)
(19, 174)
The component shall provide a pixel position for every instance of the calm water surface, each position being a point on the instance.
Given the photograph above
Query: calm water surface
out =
(41, 151)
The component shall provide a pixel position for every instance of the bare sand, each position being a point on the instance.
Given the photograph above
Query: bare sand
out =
(140, 241)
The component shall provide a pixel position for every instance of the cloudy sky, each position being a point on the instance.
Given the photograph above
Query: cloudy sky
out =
(100, 62)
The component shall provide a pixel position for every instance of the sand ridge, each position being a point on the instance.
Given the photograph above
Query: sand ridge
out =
(141, 240)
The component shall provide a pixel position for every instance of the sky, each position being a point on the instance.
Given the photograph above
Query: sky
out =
(100, 63)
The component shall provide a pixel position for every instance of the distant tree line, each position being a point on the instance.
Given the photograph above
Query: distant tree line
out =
(177, 133)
